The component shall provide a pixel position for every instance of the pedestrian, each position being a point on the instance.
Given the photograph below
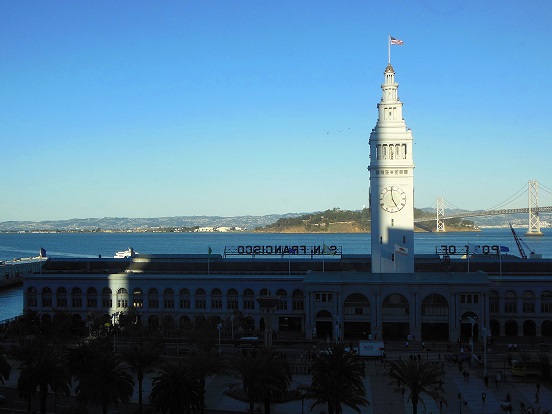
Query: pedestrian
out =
(483, 396)
(467, 376)
(486, 379)
(508, 397)
(406, 345)
(439, 357)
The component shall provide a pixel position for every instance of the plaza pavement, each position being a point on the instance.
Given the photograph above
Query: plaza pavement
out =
(384, 397)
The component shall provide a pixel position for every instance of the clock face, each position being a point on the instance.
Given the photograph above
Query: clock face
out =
(392, 198)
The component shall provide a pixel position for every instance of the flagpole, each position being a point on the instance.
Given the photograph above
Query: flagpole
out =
(323, 255)
(468, 254)
(389, 49)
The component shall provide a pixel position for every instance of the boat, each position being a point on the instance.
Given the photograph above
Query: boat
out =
(125, 254)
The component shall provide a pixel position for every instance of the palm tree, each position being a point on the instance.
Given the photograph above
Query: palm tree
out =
(5, 367)
(523, 409)
(420, 377)
(337, 380)
(105, 382)
(141, 357)
(204, 363)
(265, 375)
(43, 367)
(176, 390)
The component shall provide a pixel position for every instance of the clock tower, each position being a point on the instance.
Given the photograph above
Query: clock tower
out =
(391, 184)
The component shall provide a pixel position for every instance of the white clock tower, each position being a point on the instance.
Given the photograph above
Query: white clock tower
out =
(391, 184)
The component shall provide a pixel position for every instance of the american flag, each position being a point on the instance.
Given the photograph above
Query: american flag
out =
(396, 41)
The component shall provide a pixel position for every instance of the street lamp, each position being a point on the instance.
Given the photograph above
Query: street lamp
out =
(473, 322)
(485, 333)
(114, 318)
(219, 328)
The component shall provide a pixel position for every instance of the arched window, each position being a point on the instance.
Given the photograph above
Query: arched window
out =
(528, 302)
(168, 298)
(395, 304)
(122, 298)
(91, 298)
(356, 304)
(76, 298)
(61, 297)
(510, 302)
(184, 298)
(107, 299)
(435, 305)
(282, 302)
(32, 297)
(201, 299)
(137, 297)
(153, 298)
(46, 297)
(216, 299)
(232, 299)
(546, 302)
(298, 300)
(248, 299)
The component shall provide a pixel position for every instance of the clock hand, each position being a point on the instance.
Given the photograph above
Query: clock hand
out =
(393, 198)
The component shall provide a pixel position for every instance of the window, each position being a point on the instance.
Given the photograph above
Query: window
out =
(528, 302)
(232, 298)
(122, 298)
(546, 302)
(469, 298)
(46, 297)
(138, 298)
(168, 298)
(435, 305)
(107, 300)
(298, 300)
(184, 299)
(91, 298)
(510, 302)
(76, 298)
(248, 299)
(200, 299)
(323, 297)
(32, 297)
(61, 298)
(356, 304)
(153, 298)
(216, 299)
(282, 302)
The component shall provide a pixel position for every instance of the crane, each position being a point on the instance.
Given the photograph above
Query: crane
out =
(519, 243)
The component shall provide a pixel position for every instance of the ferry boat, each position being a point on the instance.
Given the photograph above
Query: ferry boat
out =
(125, 254)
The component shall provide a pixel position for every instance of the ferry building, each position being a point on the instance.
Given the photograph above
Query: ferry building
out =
(318, 291)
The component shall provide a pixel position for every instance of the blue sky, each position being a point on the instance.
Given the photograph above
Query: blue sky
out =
(163, 108)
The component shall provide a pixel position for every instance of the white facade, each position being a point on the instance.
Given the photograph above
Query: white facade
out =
(391, 185)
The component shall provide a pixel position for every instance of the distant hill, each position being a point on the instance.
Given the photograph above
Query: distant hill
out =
(125, 224)
(334, 221)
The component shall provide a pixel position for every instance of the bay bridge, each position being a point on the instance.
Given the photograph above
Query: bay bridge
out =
(533, 210)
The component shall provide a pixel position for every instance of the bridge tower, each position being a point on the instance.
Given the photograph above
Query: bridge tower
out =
(391, 184)
(440, 214)
(534, 220)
